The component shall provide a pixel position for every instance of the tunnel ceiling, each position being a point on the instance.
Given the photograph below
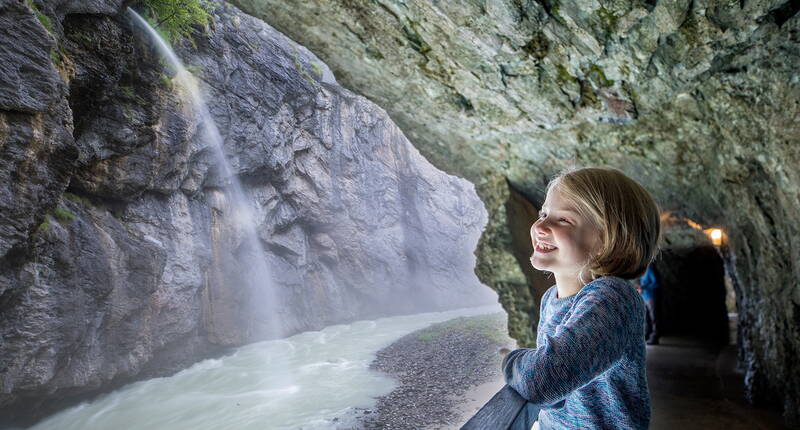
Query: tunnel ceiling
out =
(668, 91)
(697, 100)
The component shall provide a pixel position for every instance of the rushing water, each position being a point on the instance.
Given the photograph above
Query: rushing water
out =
(241, 391)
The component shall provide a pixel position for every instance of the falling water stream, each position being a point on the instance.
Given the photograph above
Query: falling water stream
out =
(251, 256)
(312, 380)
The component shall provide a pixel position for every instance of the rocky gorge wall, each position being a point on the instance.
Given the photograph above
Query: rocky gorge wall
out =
(118, 251)
(697, 100)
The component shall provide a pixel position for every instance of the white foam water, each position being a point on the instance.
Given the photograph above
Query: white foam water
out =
(243, 391)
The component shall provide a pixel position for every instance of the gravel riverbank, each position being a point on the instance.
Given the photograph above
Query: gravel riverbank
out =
(443, 371)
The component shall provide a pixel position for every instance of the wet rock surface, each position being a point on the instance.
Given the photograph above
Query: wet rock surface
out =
(435, 367)
(38, 150)
(118, 251)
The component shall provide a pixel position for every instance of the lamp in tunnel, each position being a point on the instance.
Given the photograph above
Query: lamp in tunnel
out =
(716, 236)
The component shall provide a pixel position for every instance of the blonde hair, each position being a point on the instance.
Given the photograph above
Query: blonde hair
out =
(622, 210)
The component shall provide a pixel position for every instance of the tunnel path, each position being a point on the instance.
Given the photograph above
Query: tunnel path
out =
(696, 386)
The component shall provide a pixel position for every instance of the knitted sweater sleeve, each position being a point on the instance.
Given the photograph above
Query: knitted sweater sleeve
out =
(591, 339)
(542, 312)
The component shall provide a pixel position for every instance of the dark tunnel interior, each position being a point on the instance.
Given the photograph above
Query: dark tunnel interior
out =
(692, 299)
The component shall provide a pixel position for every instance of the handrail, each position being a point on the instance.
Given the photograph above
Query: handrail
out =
(506, 410)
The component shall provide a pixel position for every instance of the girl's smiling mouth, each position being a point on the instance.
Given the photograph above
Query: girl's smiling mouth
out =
(544, 248)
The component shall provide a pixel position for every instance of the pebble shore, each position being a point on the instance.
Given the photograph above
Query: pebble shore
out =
(436, 368)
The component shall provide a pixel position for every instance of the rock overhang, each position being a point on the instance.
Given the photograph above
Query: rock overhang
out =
(698, 101)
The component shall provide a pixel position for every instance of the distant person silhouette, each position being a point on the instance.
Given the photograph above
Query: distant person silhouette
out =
(649, 288)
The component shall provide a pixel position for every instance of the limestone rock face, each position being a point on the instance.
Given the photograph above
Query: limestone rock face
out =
(697, 100)
(35, 126)
(119, 250)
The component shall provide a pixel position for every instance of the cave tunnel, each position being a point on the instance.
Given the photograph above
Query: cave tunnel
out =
(693, 294)
(395, 154)
(695, 371)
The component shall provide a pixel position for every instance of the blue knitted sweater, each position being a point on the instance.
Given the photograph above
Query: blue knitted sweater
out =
(588, 370)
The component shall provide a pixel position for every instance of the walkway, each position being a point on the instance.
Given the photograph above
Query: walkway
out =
(694, 386)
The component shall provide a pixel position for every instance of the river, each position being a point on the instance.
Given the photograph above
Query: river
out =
(312, 380)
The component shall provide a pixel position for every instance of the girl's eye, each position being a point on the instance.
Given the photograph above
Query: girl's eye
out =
(543, 215)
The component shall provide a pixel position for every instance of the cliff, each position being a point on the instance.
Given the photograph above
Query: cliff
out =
(119, 253)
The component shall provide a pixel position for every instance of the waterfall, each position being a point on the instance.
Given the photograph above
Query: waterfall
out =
(252, 256)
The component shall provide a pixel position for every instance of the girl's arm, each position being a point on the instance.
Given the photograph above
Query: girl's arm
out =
(589, 342)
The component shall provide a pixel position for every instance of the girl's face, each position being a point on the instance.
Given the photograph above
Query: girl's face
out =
(563, 240)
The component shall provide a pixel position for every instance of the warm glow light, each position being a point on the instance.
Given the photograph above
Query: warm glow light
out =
(716, 236)
(694, 224)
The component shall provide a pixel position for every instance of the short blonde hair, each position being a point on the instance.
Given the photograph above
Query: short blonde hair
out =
(622, 210)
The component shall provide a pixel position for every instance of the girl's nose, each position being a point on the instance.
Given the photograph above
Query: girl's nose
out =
(539, 228)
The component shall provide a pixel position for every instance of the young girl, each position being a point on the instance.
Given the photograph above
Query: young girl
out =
(597, 229)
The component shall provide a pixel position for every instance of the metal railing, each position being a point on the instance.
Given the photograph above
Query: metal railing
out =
(506, 410)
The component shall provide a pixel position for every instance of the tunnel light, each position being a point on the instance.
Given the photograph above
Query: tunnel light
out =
(716, 236)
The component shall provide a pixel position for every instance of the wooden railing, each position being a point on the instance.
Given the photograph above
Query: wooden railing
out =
(506, 410)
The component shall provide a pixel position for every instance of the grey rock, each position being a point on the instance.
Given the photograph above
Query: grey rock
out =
(28, 81)
(122, 256)
(38, 151)
(129, 126)
(69, 7)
